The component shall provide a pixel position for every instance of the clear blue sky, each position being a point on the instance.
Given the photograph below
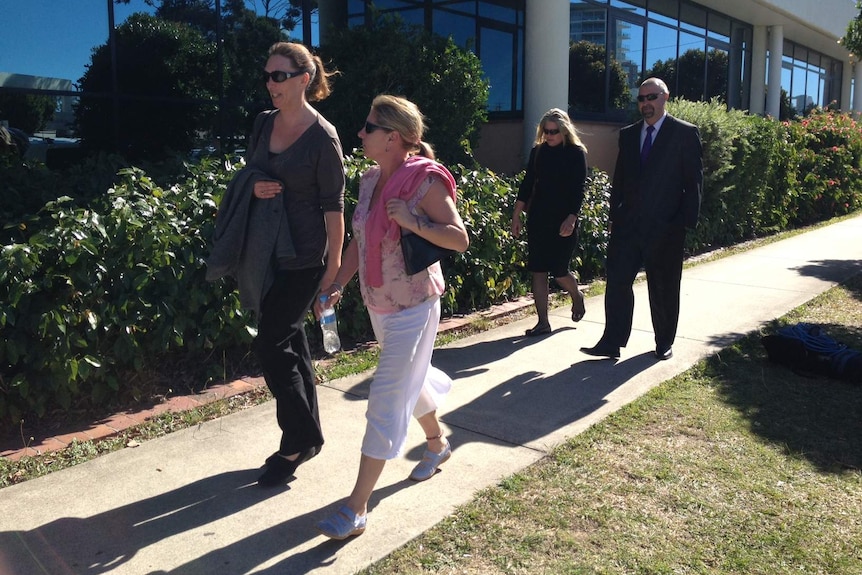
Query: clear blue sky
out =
(54, 38)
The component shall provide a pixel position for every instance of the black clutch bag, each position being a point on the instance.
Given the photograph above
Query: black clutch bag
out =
(419, 253)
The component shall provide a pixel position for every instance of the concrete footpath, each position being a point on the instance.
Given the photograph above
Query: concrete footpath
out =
(187, 503)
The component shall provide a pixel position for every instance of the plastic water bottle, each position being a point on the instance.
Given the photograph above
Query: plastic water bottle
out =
(329, 326)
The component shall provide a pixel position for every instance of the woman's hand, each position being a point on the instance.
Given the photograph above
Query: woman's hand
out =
(397, 210)
(333, 296)
(267, 189)
(567, 228)
(516, 226)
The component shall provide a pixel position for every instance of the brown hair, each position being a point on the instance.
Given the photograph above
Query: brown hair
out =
(403, 116)
(318, 83)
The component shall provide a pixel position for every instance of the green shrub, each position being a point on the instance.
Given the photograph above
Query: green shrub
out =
(99, 292)
(829, 148)
(97, 289)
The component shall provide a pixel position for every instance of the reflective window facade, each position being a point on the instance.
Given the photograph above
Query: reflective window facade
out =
(492, 29)
(809, 78)
(699, 53)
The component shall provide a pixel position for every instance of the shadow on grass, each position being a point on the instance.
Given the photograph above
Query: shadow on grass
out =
(813, 417)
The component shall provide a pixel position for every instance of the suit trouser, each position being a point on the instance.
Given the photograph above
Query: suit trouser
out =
(282, 349)
(661, 257)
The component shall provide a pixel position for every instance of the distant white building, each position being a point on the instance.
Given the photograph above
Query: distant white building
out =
(64, 113)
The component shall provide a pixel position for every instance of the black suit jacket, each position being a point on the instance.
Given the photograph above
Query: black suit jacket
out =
(665, 194)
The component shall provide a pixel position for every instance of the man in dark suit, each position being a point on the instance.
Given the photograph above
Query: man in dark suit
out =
(655, 197)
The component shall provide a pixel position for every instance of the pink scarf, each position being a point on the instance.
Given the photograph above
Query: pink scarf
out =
(401, 184)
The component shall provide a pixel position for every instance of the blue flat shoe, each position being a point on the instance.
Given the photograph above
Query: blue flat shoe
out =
(343, 524)
(430, 462)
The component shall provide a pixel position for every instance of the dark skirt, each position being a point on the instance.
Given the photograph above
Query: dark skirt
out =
(547, 250)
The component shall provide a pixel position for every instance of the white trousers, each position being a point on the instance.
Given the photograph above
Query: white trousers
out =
(405, 383)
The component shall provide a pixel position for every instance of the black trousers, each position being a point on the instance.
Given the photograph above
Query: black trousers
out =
(282, 348)
(661, 257)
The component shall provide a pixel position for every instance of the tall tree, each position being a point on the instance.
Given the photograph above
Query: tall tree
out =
(852, 39)
(166, 78)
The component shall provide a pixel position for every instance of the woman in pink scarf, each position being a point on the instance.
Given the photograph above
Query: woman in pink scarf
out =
(406, 189)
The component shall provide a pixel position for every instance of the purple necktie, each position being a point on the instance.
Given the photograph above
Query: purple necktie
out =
(647, 144)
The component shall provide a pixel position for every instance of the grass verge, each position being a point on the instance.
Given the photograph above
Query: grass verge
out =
(736, 466)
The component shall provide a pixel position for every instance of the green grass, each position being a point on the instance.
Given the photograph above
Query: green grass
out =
(736, 466)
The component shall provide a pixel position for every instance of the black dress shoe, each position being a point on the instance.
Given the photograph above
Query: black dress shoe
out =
(278, 469)
(602, 350)
(665, 353)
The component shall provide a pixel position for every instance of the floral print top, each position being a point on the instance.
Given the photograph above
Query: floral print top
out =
(399, 290)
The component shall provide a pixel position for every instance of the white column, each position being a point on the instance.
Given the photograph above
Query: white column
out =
(857, 88)
(758, 70)
(546, 63)
(773, 86)
(846, 83)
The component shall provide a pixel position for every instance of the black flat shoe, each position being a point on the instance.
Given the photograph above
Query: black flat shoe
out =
(602, 350)
(278, 469)
(538, 330)
(663, 354)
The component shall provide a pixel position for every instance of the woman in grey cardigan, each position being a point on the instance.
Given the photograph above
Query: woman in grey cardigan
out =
(287, 206)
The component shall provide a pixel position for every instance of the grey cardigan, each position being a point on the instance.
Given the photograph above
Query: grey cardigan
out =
(245, 238)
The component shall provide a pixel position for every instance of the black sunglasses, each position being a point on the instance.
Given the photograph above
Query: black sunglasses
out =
(548, 132)
(278, 76)
(369, 128)
(649, 97)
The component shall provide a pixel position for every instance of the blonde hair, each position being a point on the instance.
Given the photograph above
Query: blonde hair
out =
(318, 78)
(403, 116)
(564, 123)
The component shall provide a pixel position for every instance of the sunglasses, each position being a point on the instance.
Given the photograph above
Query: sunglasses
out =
(278, 76)
(649, 97)
(548, 132)
(370, 128)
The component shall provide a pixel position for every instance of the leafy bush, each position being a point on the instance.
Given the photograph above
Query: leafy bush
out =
(99, 292)
(97, 289)
(593, 227)
(91, 294)
(829, 148)
(168, 111)
(763, 176)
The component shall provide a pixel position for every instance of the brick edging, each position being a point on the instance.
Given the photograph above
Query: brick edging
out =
(117, 423)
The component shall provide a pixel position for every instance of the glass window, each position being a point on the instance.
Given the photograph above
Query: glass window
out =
(692, 67)
(717, 67)
(393, 4)
(460, 27)
(588, 23)
(666, 11)
(719, 27)
(661, 51)
(502, 11)
(496, 50)
(631, 6)
(692, 18)
(627, 51)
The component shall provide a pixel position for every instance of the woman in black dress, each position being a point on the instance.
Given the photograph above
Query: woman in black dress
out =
(551, 195)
